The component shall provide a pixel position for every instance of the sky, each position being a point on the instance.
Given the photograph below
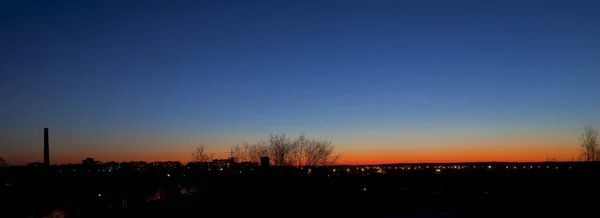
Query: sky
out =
(385, 81)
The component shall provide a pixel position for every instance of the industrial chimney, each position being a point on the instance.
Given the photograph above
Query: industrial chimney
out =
(46, 148)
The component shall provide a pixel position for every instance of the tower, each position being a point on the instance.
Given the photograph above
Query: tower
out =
(46, 148)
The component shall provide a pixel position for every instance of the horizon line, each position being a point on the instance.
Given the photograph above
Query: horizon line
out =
(405, 163)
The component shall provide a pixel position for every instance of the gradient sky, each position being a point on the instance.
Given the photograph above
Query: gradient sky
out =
(386, 81)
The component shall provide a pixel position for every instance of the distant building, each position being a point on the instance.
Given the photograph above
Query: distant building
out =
(201, 165)
(264, 162)
(245, 165)
(221, 163)
(88, 161)
(133, 164)
(167, 164)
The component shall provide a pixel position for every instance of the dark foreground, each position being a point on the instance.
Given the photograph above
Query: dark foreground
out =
(525, 191)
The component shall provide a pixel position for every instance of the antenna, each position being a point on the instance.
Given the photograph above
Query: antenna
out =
(231, 153)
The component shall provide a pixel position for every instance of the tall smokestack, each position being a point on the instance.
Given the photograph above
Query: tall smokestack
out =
(46, 148)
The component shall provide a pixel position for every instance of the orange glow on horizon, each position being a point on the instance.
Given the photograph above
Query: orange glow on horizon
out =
(508, 150)
(355, 157)
(462, 155)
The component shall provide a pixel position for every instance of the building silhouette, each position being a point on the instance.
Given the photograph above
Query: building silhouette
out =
(46, 148)
(89, 161)
(264, 162)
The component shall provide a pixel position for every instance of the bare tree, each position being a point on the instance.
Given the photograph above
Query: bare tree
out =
(199, 155)
(258, 150)
(3, 163)
(281, 149)
(242, 153)
(334, 159)
(319, 153)
(589, 145)
(300, 146)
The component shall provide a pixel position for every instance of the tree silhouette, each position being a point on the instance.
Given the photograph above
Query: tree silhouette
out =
(283, 151)
(199, 155)
(313, 152)
(589, 145)
(258, 150)
(301, 145)
(242, 153)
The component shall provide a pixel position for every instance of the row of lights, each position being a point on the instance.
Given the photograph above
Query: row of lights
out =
(439, 167)
(410, 168)
(419, 167)
(531, 167)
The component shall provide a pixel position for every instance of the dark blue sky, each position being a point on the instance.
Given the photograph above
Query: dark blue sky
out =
(214, 70)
